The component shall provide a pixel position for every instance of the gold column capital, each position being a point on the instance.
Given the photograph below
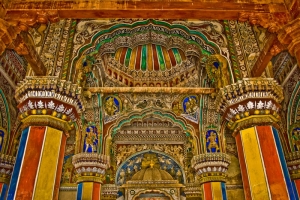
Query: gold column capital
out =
(48, 101)
(211, 167)
(249, 102)
(90, 166)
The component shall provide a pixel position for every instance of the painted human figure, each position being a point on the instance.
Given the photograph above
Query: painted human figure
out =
(212, 140)
(191, 105)
(90, 140)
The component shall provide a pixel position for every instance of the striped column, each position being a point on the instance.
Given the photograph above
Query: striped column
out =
(214, 191)
(264, 170)
(88, 191)
(38, 166)
(91, 170)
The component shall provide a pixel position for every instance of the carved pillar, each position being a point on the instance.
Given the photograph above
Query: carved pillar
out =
(290, 35)
(91, 170)
(211, 169)
(251, 108)
(293, 163)
(48, 107)
(6, 166)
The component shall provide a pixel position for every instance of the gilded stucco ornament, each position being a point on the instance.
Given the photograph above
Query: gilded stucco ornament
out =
(217, 70)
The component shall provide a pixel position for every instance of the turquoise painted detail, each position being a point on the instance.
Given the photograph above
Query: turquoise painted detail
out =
(160, 55)
(101, 124)
(177, 55)
(144, 58)
(127, 57)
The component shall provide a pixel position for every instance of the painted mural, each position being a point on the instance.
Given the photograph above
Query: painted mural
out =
(190, 107)
(134, 164)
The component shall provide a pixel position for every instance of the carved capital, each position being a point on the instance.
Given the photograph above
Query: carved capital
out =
(90, 166)
(271, 21)
(211, 167)
(251, 101)
(48, 101)
(6, 167)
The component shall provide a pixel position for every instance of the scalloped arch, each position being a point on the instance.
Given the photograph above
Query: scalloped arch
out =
(177, 30)
(158, 113)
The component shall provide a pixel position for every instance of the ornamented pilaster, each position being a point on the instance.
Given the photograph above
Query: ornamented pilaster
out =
(6, 167)
(251, 108)
(211, 169)
(90, 168)
(293, 164)
(48, 108)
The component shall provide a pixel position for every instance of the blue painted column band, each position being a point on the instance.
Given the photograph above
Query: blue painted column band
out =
(3, 191)
(224, 194)
(18, 164)
(292, 193)
(79, 191)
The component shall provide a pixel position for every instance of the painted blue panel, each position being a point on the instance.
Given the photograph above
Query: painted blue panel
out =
(3, 191)
(224, 195)
(79, 191)
(287, 178)
(18, 163)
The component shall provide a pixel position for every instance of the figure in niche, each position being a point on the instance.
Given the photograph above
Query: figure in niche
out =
(91, 139)
(110, 106)
(212, 142)
(217, 70)
(190, 104)
(296, 139)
